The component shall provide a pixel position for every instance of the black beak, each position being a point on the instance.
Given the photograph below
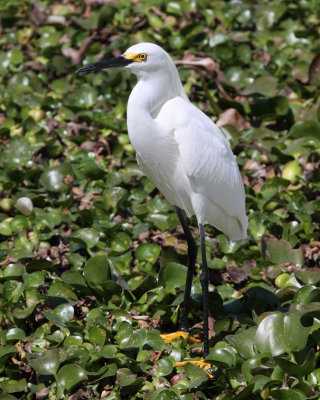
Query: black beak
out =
(116, 62)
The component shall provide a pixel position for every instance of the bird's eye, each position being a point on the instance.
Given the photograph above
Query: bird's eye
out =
(142, 56)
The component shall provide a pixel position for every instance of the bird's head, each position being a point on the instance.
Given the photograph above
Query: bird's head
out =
(139, 58)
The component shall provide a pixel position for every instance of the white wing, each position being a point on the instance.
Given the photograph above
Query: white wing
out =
(210, 166)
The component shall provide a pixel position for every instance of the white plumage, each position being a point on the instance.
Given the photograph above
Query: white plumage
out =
(180, 149)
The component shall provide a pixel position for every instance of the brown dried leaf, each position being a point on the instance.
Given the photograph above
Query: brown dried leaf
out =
(251, 165)
(237, 275)
(37, 14)
(176, 378)
(77, 55)
(81, 395)
(206, 62)
(314, 71)
(232, 117)
(37, 65)
(42, 393)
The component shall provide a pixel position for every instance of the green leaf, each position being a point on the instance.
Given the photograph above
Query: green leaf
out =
(280, 333)
(306, 295)
(147, 252)
(97, 270)
(15, 334)
(70, 376)
(7, 397)
(7, 350)
(305, 128)
(13, 386)
(172, 276)
(73, 278)
(222, 357)
(264, 85)
(308, 277)
(53, 178)
(109, 351)
(287, 394)
(60, 315)
(195, 374)
(280, 251)
(87, 236)
(165, 366)
(297, 370)
(120, 243)
(244, 342)
(89, 170)
(97, 335)
(47, 363)
(12, 271)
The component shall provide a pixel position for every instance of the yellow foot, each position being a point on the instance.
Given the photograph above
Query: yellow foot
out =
(199, 363)
(171, 337)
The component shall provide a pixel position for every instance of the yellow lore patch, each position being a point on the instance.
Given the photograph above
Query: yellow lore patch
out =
(137, 57)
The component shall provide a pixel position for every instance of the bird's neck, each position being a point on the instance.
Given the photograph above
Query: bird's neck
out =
(152, 91)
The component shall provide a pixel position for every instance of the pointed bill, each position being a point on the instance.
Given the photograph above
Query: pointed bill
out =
(116, 62)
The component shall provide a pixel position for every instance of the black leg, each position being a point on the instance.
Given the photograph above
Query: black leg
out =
(204, 278)
(192, 256)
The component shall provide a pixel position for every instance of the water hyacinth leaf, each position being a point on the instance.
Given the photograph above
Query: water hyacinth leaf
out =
(97, 270)
(281, 333)
(147, 252)
(244, 342)
(305, 128)
(172, 275)
(7, 350)
(73, 278)
(89, 170)
(20, 254)
(13, 386)
(195, 374)
(15, 334)
(222, 357)
(280, 251)
(126, 377)
(166, 394)
(12, 290)
(71, 375)
(264, 85)
(12, 271)
(165, 366)
(124, 334)
(287, 394)
(23, 313)
(150, 282)
(120, 243)
(86, 236)
(77, 352)
(308, 277)
(19, 152)
(109, 351)
(47, 363)
(97, 335)
(61, 291)
(60, 315)
(259, 299)
(35, 279)
(306, 295)
(53, 178)
(298, 370)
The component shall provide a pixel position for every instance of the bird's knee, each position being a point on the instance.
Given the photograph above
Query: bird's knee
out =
(204, 276)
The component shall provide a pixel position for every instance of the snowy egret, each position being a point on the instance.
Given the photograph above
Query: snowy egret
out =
(184, 154)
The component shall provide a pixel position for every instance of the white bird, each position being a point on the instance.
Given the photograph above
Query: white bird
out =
(184, 154)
